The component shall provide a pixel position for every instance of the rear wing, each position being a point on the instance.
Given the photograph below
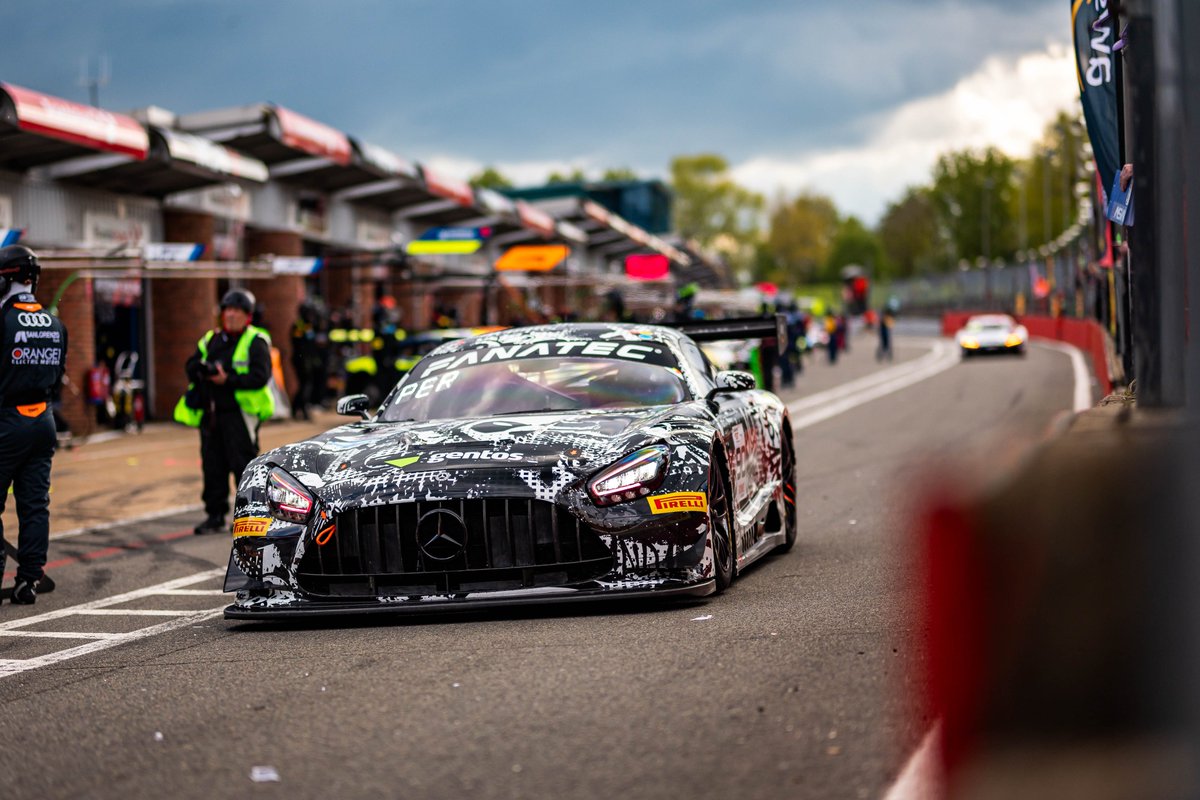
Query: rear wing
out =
(773, 326)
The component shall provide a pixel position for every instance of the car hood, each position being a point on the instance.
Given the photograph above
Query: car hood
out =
(530, 455)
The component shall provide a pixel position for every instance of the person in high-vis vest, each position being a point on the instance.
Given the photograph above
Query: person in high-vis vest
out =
(33, 355)
(227, 400)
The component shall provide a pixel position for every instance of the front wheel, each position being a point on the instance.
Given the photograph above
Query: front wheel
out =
(787, 478)
(720, 527)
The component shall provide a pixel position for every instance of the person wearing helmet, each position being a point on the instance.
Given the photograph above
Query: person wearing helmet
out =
(33, 355)
(228, 399)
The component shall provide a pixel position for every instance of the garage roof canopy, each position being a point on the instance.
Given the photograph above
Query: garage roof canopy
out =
(37, 129)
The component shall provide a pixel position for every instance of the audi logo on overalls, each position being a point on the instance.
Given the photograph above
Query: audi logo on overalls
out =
(34, 319)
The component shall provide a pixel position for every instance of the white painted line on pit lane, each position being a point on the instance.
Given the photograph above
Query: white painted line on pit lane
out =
(1083, 379)
(839, 400)
(104, 641)
(64, 634)
(124, 612)
(921, 777)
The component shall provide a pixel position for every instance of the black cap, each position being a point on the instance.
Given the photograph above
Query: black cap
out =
(238, 298)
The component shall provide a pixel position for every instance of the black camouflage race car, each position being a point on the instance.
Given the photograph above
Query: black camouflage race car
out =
(541, 464)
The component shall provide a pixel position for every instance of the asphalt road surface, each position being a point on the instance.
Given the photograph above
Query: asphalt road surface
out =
(800, 681)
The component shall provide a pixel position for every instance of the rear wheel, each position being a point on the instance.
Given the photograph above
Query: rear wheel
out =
(720, 524)
(787, 477)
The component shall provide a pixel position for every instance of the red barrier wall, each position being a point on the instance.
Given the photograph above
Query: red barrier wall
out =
(1086, 334)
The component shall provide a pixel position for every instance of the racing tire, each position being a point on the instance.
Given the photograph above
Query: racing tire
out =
(720, 525)
(787, 477)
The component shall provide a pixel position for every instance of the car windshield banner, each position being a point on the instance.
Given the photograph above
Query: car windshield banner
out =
(1095, 66)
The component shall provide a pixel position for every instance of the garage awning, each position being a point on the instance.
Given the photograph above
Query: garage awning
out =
(38, 129)
(449, 188)
(177, 162)
(535, 219)
(296, 148)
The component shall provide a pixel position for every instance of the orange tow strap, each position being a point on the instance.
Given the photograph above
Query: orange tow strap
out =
(31, 410)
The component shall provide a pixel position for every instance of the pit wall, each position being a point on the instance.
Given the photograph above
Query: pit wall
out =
(1086, 334)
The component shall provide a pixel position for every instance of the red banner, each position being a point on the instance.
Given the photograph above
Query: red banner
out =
(652, 267)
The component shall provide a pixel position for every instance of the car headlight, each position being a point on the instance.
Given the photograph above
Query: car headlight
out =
(635, 475)
(969, 342)
(1013, 340)
(287, 498)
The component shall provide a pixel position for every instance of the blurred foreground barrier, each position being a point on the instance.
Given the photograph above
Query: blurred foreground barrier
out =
(1061, 608)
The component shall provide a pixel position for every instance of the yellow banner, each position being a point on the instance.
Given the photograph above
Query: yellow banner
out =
(433, 247)
(678, 501)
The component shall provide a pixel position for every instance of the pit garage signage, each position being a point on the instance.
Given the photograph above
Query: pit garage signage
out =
(291, 265)
(448, 241)
(172, 251)
(532, 258)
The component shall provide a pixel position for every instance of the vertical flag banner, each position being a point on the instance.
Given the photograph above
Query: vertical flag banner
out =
(1095, 67)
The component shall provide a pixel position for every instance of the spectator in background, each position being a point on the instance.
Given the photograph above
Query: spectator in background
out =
(884, 352)
(305, 358)
(831, 331)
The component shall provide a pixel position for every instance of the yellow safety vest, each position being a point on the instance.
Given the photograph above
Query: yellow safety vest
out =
(255, 402)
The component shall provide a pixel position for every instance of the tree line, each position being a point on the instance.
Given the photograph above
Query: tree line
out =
(978, 206)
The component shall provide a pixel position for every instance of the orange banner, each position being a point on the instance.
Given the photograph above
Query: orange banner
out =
(532, 258)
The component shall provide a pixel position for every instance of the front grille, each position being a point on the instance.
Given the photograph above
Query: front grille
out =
(452, 546)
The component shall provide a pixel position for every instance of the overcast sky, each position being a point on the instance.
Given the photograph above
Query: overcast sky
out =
(853, 99)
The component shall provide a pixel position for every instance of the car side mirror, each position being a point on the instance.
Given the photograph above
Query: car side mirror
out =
(354, 404)
(732, 380)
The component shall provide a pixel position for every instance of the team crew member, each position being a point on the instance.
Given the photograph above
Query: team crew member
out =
(33, 355)
(228, 399)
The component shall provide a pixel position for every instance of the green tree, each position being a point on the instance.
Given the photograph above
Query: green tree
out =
(712, 209)
(973, 196)
(910, 235)
(854, 243)
(490, 178)
(799, 239)
(574, 176)
(1044, 196)
(619, 174)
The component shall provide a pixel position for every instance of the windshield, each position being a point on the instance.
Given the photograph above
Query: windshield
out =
(532, 385)
(989, 325)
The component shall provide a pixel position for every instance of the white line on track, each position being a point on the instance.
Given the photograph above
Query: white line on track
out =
(102, 607)
(830, 403)
(921, 777)
(1083, 379)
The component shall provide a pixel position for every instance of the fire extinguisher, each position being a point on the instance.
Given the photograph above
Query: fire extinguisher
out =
(139, 410)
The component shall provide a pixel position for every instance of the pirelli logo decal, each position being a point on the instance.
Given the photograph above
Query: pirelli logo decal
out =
(678, 501)
(250, 526)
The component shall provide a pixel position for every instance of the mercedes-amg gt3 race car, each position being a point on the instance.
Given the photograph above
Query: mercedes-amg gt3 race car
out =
(541, 464)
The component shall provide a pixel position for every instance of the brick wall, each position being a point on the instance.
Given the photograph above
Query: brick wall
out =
(280, 295)
(76, 311)
(182, 309)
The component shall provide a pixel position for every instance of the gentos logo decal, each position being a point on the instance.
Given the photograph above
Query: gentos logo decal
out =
(250, 526)
(40, 356)
(455, 456)
(678, 501)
